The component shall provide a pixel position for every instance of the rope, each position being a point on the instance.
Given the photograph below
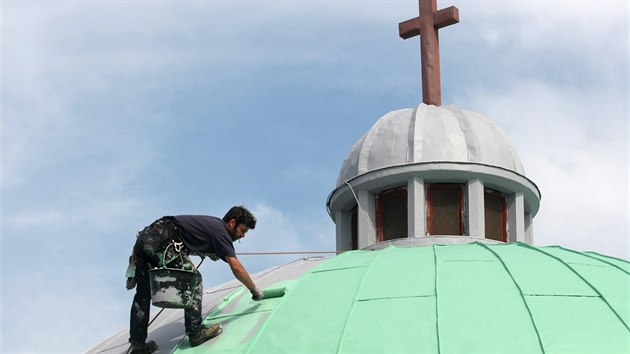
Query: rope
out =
(288, 252)
(362, 210)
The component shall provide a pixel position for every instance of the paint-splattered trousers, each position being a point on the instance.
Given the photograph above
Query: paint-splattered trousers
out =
(149, 252)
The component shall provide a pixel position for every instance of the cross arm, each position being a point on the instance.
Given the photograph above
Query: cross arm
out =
(446, 17)
(441, 18)
(409, 28)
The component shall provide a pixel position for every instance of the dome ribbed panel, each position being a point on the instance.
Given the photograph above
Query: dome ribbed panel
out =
(350, 166)
(486, 142)
(443, 138)
(387, 143)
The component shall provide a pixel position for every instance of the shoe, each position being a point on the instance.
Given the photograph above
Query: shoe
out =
(144, 348)
(204, 334)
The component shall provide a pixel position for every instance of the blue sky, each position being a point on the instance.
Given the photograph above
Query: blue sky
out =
(116, 113)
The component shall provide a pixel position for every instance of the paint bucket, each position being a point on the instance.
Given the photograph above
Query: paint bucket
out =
(173, 288)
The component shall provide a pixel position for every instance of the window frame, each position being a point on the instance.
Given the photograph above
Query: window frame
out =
(491, 193)
(445, 187)
(394, 192)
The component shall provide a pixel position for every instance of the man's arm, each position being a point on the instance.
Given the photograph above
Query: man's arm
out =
(241, 274)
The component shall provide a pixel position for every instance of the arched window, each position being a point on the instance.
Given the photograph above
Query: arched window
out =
(445, 209)
(495, 214)
(391, 214)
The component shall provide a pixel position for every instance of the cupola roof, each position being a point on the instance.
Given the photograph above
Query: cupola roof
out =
(430, 133)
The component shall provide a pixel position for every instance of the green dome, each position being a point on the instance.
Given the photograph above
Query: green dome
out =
(470, 298)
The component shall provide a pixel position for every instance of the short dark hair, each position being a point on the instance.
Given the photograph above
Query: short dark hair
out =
(241, 215)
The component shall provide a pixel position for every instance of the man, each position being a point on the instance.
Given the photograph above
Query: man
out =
(157, 245)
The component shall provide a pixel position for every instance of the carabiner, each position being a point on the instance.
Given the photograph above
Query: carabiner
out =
(178, 246)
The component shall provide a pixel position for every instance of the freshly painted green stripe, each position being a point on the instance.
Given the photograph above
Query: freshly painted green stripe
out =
(228, 303)
(244, 317)
(479, 308)
(313, 315)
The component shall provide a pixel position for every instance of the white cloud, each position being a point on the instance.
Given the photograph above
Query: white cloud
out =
(576, 152)
(278, 230)
(29, 219)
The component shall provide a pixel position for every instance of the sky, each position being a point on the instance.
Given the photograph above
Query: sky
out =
(116, 113)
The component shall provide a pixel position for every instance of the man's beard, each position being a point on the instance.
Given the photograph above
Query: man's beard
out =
(232, 233)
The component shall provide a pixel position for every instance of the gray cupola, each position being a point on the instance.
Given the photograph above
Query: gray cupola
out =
(432, 174)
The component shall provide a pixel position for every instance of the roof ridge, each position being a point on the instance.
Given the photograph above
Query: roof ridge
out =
(601, 296)
(435, 289)
(299, 280)
(359, 286)
(520, 291)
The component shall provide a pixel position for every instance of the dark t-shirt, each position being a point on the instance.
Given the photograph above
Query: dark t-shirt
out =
(206, 234)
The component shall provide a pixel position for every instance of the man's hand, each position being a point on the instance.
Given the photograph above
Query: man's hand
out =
(257, 295)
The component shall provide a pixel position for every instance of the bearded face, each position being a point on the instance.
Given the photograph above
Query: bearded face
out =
(237, 231)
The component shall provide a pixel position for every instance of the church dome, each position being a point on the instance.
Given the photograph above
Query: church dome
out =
(430, 134)
(471, 298)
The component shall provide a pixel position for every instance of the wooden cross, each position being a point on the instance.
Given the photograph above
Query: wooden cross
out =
(426, 26)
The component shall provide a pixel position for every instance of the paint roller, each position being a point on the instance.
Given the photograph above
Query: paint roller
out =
(273, 293)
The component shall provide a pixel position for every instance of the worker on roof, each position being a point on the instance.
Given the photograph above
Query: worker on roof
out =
(167, 242)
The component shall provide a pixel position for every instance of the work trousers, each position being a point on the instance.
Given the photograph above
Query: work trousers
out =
(150, 251)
